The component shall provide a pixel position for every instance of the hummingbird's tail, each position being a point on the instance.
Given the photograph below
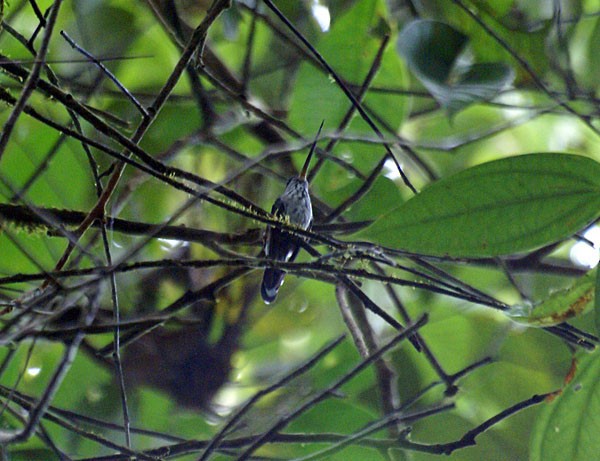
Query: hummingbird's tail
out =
(272, 281)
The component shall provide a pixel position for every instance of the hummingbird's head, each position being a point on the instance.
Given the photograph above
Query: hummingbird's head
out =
(296, 185)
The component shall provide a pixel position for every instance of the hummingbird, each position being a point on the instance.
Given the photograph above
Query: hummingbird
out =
(293, 205)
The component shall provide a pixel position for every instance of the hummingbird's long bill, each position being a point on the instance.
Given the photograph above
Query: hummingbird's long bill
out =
(310, 154)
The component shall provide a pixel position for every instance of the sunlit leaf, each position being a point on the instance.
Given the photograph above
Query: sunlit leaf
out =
(432, 50)
(597, 303)
(560, 306)
(567, 427)
(498, 208)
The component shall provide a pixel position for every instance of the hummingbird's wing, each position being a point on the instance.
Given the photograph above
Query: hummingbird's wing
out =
(275, 248)
(273, 234)
(280, 245)
(278, 208)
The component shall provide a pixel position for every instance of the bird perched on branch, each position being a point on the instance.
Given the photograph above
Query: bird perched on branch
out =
(293, 206)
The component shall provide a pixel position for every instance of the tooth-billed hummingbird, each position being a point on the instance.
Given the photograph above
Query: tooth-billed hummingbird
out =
(294, 206)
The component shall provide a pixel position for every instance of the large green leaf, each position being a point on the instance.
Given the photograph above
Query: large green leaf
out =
(432, 50)
(498, 208)
(568, 427)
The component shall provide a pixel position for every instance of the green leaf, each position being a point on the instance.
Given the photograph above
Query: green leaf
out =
(432, 50)
(560, 306)
(568, 427)
(32, 453)
(384, 192)
(350, 48)
(597, 303)
(498, 208)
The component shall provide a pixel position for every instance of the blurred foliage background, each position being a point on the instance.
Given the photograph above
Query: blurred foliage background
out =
(157, 357)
